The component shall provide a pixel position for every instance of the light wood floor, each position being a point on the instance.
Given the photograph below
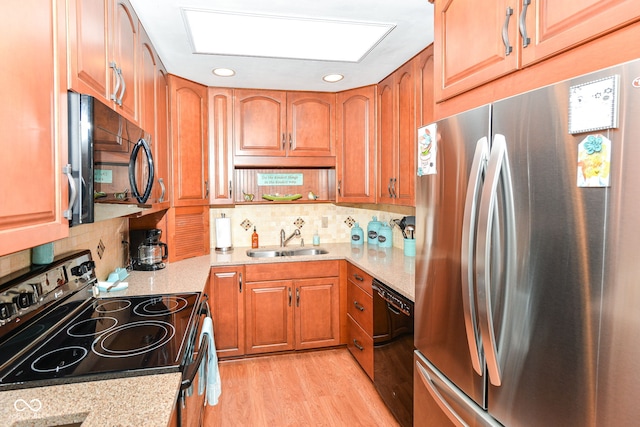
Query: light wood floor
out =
(318, 388)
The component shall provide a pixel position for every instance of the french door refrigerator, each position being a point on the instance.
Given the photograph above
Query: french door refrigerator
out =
(526, 309)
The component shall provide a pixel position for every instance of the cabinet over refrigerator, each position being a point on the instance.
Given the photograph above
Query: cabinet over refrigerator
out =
(526, 283)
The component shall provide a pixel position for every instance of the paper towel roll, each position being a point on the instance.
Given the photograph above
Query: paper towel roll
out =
(223, 234)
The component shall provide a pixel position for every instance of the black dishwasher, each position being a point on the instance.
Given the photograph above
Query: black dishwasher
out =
(393, 351)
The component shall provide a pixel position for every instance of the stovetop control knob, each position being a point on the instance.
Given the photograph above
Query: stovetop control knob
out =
(7, 309)
(83, 268)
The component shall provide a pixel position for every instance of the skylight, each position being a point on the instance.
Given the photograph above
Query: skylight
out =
(238, 34)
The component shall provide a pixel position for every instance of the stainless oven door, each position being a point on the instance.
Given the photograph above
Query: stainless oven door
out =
(193, 391)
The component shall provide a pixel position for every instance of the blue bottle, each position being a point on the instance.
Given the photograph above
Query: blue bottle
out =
(372, 231)
(357, 235)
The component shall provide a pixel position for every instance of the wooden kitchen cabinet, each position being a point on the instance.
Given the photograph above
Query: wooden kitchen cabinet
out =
(227, 309)
(424, 79)
(189, 143)
(356, 146)
(397, 137)
(292, 306)
(187, 232)
(276, 128)
(103, 50)
(220, 146)
(33, 189)
(477, 43)
(154, 117)
(360, 317)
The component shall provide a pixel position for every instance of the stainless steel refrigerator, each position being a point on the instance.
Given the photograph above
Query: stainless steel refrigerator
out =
(528, 259)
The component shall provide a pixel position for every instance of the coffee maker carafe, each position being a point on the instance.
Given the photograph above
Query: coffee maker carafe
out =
(147, 252)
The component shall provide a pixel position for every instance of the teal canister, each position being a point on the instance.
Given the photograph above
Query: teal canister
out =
(372, 231)
(42, 254)
(385, 236)
(357, 235)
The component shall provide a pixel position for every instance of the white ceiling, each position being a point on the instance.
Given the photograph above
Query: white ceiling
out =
(413, 19)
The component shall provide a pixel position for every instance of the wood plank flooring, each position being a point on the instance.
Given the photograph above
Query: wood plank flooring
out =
(315, 388)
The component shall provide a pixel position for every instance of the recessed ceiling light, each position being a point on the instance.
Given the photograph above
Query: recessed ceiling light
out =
(332, 78)
(224, 72)
(238, 34)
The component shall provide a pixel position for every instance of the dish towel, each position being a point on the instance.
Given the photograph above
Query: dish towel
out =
(214, 388)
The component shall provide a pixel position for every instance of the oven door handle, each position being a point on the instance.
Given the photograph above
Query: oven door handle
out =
(192, 369)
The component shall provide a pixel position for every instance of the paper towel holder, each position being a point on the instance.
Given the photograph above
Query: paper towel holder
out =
(223, 235)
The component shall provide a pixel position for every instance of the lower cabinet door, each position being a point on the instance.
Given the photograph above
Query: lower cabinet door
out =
(317, 312)
(269, 316)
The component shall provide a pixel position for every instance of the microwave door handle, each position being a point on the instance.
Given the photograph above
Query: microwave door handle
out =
(478, 169)
(497, 171)
(68, 171)
(132, 172)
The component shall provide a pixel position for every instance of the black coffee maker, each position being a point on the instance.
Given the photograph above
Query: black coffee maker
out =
(147, 252)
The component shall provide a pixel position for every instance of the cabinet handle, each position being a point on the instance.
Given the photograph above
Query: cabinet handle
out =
(289, 296)
(240, 281)
(389, 188)
(114, 67)
(340, 187)
(523, 23)
(290, 142)
(358, 305)
(68, 171)
(230, 190)
(163, 190)
(358, 277)
(206, 188)
(393, 188)
(124, 87)
(297, 297)
(358, 345)
(505, 32)
(284, 140)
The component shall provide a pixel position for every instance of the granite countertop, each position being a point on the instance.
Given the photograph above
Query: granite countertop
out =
(390, 266)
(149, 400)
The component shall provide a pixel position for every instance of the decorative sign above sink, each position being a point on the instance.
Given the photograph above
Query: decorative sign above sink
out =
(270, 179)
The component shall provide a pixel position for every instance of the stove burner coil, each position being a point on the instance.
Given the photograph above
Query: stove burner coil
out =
(59, 359)
(160, 306)
(112, 305)
(133, 339)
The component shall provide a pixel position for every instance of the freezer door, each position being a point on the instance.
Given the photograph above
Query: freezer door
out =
(439, 403)
(545, 313)
(444, 320)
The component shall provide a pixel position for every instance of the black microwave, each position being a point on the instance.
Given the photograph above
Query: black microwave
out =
(110, 157)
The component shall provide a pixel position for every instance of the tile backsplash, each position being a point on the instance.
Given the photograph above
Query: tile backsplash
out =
(103, 238)
(333, 223)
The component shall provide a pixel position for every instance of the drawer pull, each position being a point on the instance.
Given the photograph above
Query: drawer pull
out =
(358, 345)
(358, 305)
(358, 277)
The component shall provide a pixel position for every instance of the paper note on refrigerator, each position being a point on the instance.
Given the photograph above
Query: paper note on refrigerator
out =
(427, 150)
(594, 160)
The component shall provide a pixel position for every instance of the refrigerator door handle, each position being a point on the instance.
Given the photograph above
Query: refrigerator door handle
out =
(498, 168)
(478, 170)
(431, 387)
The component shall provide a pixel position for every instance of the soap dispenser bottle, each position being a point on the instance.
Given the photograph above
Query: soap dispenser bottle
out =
(254, 238)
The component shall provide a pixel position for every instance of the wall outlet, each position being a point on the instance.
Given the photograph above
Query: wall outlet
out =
(325, 222)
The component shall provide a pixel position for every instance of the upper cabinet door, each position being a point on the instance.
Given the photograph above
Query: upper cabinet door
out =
(189, 143)
(33, 189)
(386, 139)
(405, 155)
(556, 25)
(311, 124)
(220, 143)
(125, 38)
(355, 153)
(89, 71)
(475, 42)
(260, 123)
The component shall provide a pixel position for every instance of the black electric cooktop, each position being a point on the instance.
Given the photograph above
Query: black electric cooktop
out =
(111, 336)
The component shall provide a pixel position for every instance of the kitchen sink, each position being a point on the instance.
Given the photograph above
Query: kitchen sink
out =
(279, 252)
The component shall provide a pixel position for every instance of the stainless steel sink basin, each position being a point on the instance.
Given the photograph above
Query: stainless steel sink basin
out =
(272, 253)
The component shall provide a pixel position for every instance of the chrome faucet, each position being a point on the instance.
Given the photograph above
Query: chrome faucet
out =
(284, 240)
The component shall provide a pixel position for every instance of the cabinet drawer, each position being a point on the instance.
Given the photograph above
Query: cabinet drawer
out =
(360, 278)
(361, 346)
(291, 270)
(359, 306)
